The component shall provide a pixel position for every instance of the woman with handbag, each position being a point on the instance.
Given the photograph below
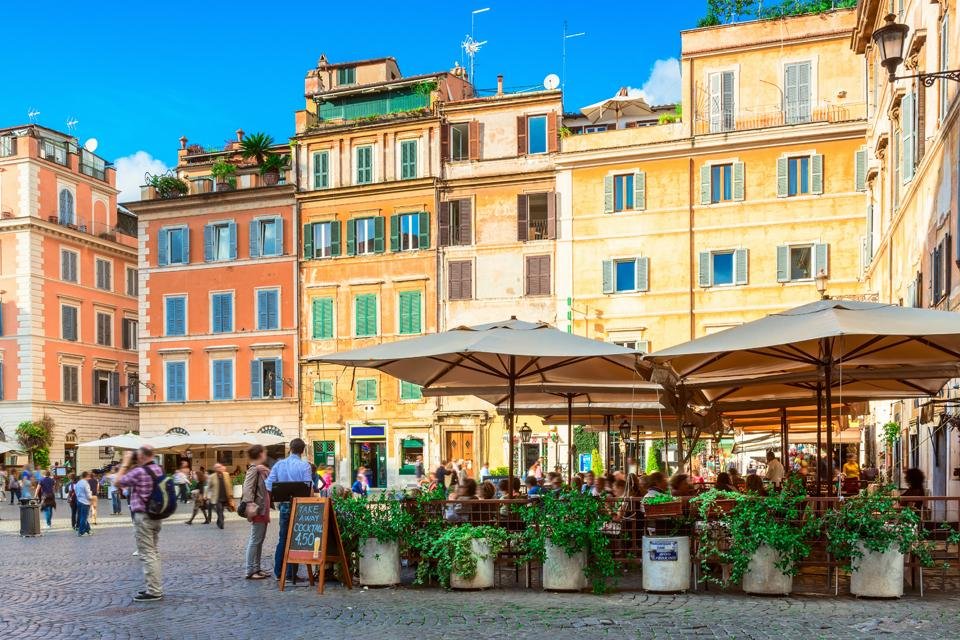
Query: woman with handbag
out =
(255, 507)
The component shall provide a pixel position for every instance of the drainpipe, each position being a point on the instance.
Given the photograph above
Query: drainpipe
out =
(690, 249)
(438, 273)
(298, 287)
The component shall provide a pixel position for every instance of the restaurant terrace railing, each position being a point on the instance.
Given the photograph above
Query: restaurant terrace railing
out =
(775, 116)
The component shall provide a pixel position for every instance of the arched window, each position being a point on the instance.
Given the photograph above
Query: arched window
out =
(271, 430)
(66, 207)
(178, 431)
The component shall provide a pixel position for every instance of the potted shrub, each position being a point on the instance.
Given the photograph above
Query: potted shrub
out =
(460, 557)
(567, 534)
(273, 164)
(168, 186)
(224, 172)
(375, 526)
(761, 538)
(869, 534)
(662, 505)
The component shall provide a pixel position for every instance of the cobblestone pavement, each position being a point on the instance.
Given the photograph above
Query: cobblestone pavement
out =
(62, 586)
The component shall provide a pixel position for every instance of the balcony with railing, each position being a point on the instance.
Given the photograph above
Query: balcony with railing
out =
(122, 234)
(776, 116)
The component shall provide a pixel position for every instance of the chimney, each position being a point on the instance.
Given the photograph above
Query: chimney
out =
(500, 85)
(239, 135)
(183, 142)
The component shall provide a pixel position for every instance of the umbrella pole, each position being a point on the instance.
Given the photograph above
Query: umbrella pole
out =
(606, 420)
(783, 436)
(819, 426)
(513, 390)
(570, 439)
(828, 399)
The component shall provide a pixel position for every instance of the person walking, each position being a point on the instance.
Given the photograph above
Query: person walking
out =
(418, 469)
(219, 492)
(257, 501)
(94, 480)
(360, 485)
(113, 491)
(82, 491)
(291, 469)
(47, 497)
(13, 485)
(200, 504)
(139, 480)
(441, 474)
(181, 479)
(72, 501)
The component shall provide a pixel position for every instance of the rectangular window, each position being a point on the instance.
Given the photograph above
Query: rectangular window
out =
(8, 146)
(459, 223)
(68, 322)
(346, 76)
(460, 141)
(367, 390)
(365, 235)
(410, 391)
(104, 274)
(722, 265)
(175, 315)
(801, 262)
(326, 239)
(536, 134)
(68, 265)
(128, 337)
(71, 383)
(221, 312)
(364, 164)
(537, 276)
(408, 159)
(220, 242)
(174, 246)
(625, 275)
(321, 170)
(798, 176)
(133, 285)
(133, 389)
(222, 379)
(410, 315)
(940, 269)
(322, 318)
(176, 381)
(268, 309)
(409, 239)
(721, 180)
(106, 387)
(104, 329)
(722, 108)
(365, 311)
(323, 392)
(796, 95)
(537, 216)
(460, 280)
(269, 235)
(266, 378)
(623, 192)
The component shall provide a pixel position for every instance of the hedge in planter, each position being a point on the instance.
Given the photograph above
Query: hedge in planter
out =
(382, 517)
(573, 522)
(449, 550)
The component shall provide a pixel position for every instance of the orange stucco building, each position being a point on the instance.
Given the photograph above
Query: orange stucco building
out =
(68, 295)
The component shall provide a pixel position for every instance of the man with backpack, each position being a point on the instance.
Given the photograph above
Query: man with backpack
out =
(147, 485)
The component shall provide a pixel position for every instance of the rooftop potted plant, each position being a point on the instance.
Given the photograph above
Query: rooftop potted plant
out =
(460, 557)
(271, 167)
(224, 172)
(375, 526)
(165, 186)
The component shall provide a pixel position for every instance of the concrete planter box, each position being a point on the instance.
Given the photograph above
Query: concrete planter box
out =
(763, 576)
(379, 563)
(238, 491)
(563, 572)
(666, 563)
(878, 574)
(483, 579)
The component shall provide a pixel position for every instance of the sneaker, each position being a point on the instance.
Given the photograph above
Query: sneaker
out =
(135, 553)
(146, 597)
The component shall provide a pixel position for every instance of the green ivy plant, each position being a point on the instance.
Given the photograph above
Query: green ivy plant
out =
(168, 186)
(222, 170)
(573, 522)
(382, 517)
(449, 551)
(875, 521)
(660, 498)
(891, 433)
(782, 521)
(36, 437)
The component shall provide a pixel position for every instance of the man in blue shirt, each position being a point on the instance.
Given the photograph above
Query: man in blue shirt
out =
(293, 468)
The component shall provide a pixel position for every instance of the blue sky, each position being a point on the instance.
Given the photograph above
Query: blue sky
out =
(139, 75)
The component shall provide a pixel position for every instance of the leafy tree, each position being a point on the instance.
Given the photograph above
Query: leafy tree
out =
(36, 437)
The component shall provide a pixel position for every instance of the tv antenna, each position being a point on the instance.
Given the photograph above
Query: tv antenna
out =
(470, 43)
(563, 55)
(72, 124)
(32, 114)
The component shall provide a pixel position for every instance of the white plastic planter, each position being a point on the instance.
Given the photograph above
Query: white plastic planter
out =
(379, 563)
(878, 574)
(563, 572)
(666, 563)
(483, 579)
(238, 491)
(763, 576)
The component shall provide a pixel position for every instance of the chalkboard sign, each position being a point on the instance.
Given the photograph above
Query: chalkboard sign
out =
(312, 526)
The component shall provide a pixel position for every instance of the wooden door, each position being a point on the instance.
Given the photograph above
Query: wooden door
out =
(460, 446)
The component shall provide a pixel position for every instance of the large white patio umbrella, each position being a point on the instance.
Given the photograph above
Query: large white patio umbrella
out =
(8, 447)
(622, 105)
(124, 441)
(498, 354)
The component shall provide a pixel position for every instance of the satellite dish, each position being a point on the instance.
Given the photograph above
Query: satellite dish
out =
(90, 145)
(551, 82)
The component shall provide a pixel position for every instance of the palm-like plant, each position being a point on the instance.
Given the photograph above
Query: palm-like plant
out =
(274, 163)
(256, 146)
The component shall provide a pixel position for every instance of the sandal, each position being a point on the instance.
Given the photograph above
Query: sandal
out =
(256, 576)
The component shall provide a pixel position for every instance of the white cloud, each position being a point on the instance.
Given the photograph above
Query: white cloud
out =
(663, 85)
(130, 170)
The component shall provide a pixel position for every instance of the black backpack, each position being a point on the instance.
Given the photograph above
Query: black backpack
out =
(163, 498)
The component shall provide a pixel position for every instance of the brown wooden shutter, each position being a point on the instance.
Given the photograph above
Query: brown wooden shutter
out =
(552, 215)
(521, 135)
(543, 288)
(532, 276)
(466, 280)
(453, 281)
(553, 141)
(474, 150)
(522, 217)
(466, 221)
(443, 224)
(444, 141)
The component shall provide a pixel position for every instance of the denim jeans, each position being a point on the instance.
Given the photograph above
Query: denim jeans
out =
(115, 501)
(74, 515)
(284, 508)
(258, 531)
(83, 513)
(48, 515)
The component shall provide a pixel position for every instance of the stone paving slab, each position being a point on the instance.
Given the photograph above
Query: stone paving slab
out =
(61, 586)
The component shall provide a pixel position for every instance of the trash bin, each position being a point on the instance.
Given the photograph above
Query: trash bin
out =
(29, 518)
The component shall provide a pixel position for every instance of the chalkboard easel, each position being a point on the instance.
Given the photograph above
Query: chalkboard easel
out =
(312, 526)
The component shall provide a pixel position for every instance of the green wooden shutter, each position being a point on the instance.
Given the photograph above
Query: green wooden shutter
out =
(424, 230)
(705, 268)
(608, 194)
(322, 318)
(640, 190)
(782, 177)
(608, 276)
(394, 233)
(860, 169)
(643, 274)
(821, 259)
(351, 237)
(378, 232)
(740, 266)
(816, 173)
(335, 238)
(410, 321)
(705, 184)
(308, 241)
(783, 263)
(738, 181)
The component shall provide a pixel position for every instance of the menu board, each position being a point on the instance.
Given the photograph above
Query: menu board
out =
(312, 525)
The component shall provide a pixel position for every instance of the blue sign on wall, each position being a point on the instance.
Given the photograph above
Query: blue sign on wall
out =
(586, 462)
(368, 431)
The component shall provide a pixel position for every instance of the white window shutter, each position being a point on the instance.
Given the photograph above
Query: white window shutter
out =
(726, 100)
(640, 190)
(716, 103)
(608, 194)
(643, 274)
(783, 263)
(740, 266)
(781, 177)
(821, 259)
(705, 184)
(608, 276)
(911, 299)
(738, 181)
(706, 276)
(907, 132)
(816, 173)
(643, 346)
(860, 169)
